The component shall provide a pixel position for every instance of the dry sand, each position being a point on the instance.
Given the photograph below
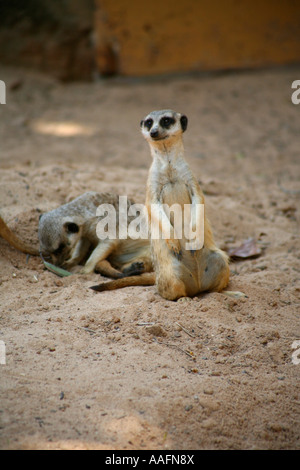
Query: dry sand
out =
(116, 370)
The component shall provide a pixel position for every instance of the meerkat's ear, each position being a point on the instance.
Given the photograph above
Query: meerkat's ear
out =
(141, 123)
(71, 227)
(183, 122)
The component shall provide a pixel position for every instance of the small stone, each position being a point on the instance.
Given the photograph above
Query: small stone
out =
(209, 423)
(275, 427)
(188, 407)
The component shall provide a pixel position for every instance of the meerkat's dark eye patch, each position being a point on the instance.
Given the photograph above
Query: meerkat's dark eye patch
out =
(148, 123)
(72, 227)
(167, 122)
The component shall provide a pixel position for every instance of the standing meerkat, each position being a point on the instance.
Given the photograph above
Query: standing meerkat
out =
(178, 271)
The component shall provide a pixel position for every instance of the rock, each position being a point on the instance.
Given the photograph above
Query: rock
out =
(156, 330)
(208, 423)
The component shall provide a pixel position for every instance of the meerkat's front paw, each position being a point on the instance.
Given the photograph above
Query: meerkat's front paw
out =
(86, 270)
(184, 299)
(175, 247)
(134, 269)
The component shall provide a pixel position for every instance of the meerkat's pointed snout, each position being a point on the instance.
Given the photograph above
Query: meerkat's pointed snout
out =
(154, 133)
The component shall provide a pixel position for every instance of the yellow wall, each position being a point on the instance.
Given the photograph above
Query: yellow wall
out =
(135, 37)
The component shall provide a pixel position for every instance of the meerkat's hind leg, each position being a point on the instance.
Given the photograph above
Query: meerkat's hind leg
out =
(215, 274)
(171, 289)
(145, 279)
(106, 269)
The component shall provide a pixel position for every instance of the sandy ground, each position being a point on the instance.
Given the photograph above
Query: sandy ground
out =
(128, 369)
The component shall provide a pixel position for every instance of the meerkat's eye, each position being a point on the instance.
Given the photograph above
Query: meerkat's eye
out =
(148, 123)
(72, 227)
(167, 121)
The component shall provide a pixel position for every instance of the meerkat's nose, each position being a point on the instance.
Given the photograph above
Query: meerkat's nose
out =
(154, 133)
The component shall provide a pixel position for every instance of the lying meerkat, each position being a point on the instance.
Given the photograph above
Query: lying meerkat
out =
(14, 241)
(68, 237)
(178, 272)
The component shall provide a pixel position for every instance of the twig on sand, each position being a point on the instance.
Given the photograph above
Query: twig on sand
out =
(176, 347)
(184, 329)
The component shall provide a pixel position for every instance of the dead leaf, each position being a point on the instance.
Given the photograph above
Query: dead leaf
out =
(248, 249)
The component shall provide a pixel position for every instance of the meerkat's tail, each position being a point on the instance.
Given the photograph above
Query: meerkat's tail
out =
(14, 241)
(145, 279)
